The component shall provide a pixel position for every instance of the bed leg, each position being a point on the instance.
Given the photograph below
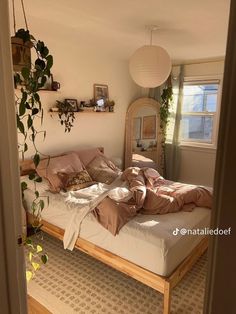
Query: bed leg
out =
(167, 298)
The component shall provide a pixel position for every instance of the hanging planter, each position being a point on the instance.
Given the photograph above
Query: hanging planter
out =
(31, 77)
(21, 50)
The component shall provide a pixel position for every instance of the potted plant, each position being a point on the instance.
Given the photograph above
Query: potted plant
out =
(30, 77)
(66, 115)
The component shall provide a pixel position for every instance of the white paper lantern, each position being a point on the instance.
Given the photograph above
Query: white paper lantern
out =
(150, 66)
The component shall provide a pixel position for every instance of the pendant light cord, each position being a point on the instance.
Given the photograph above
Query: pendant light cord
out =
(14, 14)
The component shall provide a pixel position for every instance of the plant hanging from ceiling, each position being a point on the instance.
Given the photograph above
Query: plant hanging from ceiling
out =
(166, 100)
(30, 78)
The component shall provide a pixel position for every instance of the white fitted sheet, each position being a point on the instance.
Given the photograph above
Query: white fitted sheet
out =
(146, 240)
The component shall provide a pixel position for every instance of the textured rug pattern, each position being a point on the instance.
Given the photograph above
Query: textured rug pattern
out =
(73, 282)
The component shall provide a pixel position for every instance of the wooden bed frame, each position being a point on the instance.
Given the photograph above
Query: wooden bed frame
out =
(161, 284)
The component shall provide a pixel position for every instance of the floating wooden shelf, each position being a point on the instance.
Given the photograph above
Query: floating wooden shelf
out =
(85, 111)
(49, 90)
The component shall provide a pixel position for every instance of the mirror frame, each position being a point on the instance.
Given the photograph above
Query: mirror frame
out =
(132, 110)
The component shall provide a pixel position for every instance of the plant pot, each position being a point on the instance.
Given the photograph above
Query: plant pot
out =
(21, 54)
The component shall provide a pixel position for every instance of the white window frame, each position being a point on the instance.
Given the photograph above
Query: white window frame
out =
(197, 80)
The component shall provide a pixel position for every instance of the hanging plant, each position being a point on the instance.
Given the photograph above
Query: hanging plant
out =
(166, 102)
(65, 115)
(28, 110)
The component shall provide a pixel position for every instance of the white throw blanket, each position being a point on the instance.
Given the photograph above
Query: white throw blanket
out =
(82, 202)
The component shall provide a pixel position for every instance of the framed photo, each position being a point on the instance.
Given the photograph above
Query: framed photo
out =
(149, 127)
(100, 92)
(137, 122)
(73, 104)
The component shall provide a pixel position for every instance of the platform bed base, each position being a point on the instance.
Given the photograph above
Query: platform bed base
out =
(161, 284)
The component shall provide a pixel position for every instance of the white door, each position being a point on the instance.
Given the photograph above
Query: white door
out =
(12, 268)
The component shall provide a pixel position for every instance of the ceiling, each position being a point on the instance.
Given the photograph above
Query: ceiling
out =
(188, 29)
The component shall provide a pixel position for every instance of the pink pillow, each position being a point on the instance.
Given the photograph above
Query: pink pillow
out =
(87, 155)
(101, 169)
(48, 169)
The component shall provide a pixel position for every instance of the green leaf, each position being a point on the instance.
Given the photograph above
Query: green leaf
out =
(23, 34)
(39, 248)
(27, 105)
(23, 186)
(44, 258)
(25, 147)
(32, 176)
(35, 111)
(36, 160)
(28, 241)
(49, 62)
(25, 72)
(40, 64)
(29, 275)
(36, 266)
(20, 125)
(44, 52)
(36, 194)
(22, 109)
(36, 97)
(41, 203)
(40, 45)
(29, 121)
(39, 179)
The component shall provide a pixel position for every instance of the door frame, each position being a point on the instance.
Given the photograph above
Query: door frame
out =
(220, 287)
(12, 262)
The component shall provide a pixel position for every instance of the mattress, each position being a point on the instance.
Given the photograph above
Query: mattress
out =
(146, 240)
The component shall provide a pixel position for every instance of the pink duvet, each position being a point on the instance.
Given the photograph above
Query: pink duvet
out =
(155, 195)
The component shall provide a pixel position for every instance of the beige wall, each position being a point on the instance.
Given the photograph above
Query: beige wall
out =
(79, 62)
(77, 66)
(197, 165)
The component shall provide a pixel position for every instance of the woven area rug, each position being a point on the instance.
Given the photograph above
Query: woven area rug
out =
(73, 282)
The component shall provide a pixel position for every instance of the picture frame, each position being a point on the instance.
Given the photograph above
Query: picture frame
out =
(72, 103)
(137, 123)
(149, 127)
(100, 91)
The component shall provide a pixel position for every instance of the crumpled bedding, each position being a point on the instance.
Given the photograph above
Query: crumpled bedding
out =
(155, 195)
(142, 190)
(149, 194)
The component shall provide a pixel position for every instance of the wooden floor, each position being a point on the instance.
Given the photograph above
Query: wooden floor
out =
(34, 307)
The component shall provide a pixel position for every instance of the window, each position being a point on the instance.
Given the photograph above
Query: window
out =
(199, 112)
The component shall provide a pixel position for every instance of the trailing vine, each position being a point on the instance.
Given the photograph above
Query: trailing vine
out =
(28, 111)
(165, 104)
(65, 115)
(166, 101)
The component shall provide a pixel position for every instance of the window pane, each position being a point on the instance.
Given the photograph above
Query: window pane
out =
(200, 98)
(196, 128)
(211, 101)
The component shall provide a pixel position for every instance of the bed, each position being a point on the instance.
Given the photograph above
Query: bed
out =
(145, 247)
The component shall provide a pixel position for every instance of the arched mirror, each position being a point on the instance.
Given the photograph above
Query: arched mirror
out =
(144, 136)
